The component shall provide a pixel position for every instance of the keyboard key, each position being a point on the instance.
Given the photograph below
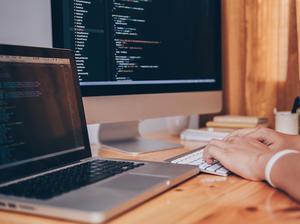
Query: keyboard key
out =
(204, 166)
(195, 158)
(195, 162)
(69, 179)
(223, 171)
(214, 167)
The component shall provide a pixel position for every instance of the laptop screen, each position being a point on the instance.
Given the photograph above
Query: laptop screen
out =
(39, 111)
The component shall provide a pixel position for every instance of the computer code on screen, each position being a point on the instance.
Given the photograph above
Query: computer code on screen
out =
(38, 115)
(142, 41)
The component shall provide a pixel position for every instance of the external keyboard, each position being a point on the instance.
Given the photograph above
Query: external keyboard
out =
(195, 158)
(53, 184)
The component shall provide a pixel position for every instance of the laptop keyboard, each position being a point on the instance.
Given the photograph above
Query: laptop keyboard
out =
(57, 183)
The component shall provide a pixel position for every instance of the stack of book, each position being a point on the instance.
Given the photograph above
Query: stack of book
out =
(236, 122)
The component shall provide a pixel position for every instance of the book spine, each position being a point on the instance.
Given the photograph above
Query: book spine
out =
(243, 120)
(212, 124)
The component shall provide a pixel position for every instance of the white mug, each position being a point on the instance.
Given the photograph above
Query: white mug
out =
(286, 122)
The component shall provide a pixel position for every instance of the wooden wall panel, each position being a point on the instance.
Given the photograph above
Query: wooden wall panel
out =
(233, 57)
(260, 55)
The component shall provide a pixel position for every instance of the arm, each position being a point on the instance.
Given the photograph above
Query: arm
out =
(285, 175)
(248, 157)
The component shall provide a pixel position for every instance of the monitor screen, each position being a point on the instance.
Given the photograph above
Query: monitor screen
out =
(143, 46)
(39, 109)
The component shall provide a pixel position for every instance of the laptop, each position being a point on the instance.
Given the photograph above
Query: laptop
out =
(46, 166)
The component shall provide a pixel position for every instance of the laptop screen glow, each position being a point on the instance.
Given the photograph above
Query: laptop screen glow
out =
(39, 115)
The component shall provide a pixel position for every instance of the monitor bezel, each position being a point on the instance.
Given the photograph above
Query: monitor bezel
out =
(31, 168)
(137, 89)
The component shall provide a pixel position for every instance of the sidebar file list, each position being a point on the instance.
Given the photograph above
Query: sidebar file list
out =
(89, 38)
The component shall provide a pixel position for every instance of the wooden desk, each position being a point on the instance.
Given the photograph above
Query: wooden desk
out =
(202, 199)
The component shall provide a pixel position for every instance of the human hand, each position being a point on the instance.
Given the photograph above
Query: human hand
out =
(243, 156)
(269, 137)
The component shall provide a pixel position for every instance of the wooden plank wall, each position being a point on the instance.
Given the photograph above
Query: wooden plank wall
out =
(260, 55)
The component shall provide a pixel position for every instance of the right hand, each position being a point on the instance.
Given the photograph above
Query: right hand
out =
(243, 156)
(274, 140)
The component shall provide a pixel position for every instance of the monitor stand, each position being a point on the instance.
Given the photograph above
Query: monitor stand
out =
(125, 137)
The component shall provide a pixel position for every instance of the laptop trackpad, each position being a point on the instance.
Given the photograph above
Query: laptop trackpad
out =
(133, 182)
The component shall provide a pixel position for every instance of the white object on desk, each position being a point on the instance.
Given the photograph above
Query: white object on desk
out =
(196, 158)
(286, 122)
(202, 135)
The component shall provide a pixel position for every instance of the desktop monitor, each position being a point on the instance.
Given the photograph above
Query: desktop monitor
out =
(142, 59)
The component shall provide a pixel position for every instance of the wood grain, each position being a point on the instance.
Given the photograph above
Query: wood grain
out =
(260, 55)
(233, 57)
(202, 199)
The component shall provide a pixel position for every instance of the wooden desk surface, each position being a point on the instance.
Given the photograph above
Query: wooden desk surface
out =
(202, 199)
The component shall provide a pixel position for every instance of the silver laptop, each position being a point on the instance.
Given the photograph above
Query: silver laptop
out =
(46, 166)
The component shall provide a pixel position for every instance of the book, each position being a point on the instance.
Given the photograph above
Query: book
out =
(202, 135)
(213, 124)
(240, 119)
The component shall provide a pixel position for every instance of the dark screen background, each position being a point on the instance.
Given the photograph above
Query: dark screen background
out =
(186, 36)
(139, 40)
(39, 111)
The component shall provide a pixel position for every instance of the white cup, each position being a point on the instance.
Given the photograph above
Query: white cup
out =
(286, 122)
(177, 124)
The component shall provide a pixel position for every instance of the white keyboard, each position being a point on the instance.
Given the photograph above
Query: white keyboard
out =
(195, 158)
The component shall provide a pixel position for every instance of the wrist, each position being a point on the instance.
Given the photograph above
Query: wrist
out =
(262, 163)
(294, 142)
(274, 160)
